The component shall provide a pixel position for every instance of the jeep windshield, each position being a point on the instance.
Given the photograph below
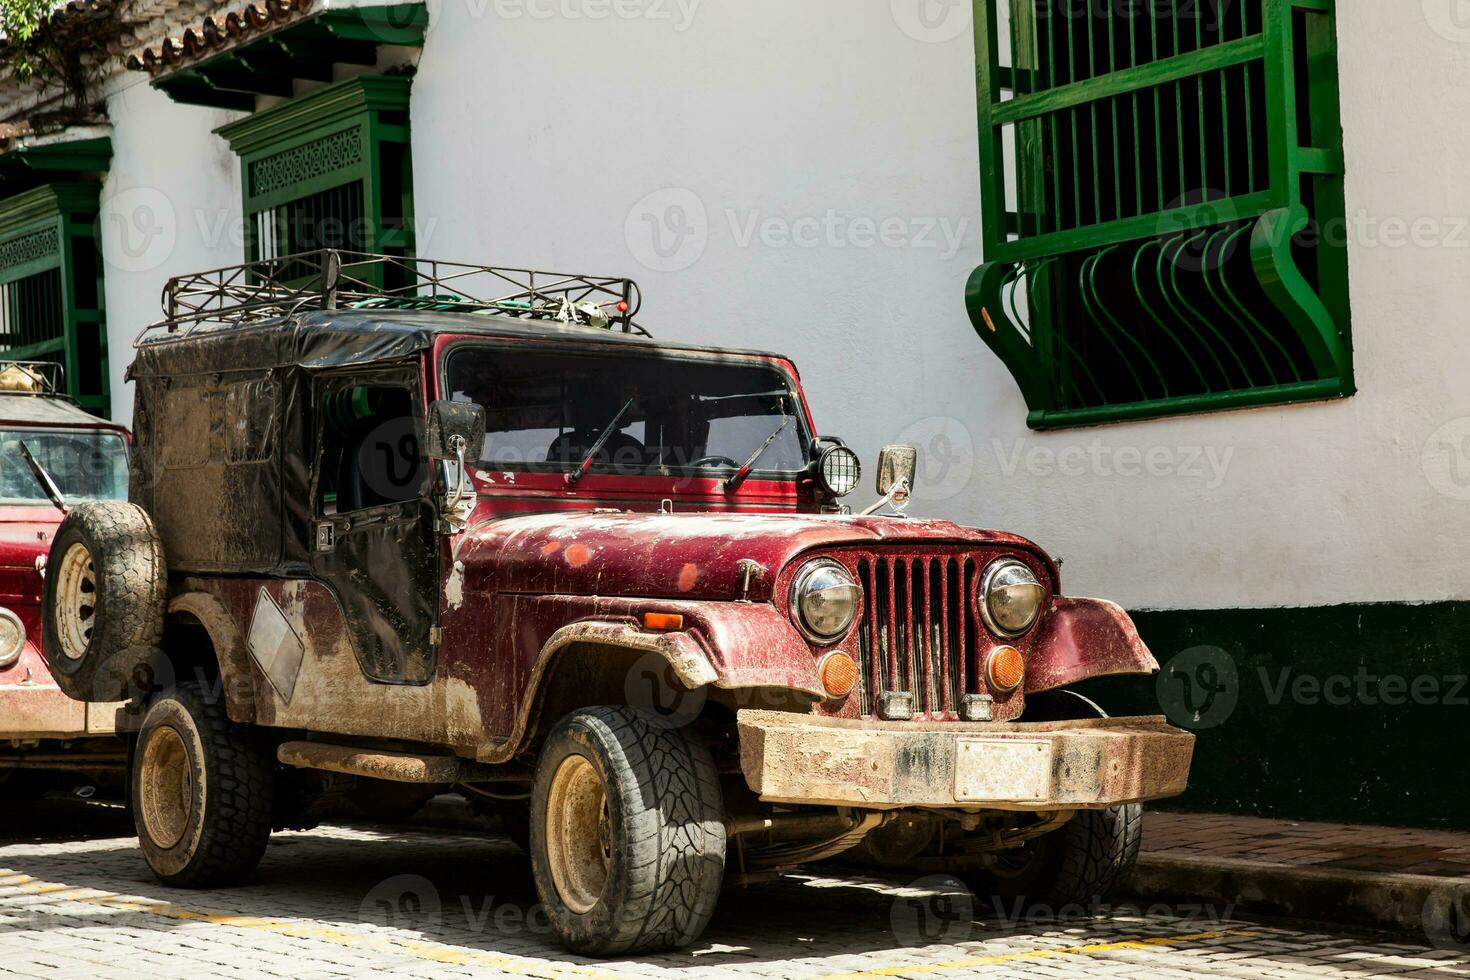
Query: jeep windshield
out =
(85, 465)
(652, 415)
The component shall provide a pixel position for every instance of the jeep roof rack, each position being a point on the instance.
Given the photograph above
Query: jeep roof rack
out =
(271, 289)
(32, 378)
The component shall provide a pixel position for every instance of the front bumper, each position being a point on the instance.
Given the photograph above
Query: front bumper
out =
(804, 759)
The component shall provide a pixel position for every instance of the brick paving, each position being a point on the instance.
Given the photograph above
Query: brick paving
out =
(1351, 847)
(348, 901)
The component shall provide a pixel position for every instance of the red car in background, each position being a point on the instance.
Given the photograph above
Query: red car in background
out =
(53, 455)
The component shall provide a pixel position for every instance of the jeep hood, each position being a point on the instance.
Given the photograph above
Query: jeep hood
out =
(691, 556)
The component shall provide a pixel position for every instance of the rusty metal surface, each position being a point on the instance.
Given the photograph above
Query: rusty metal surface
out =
(398, 767)
(1083, 638)
(1095, 763)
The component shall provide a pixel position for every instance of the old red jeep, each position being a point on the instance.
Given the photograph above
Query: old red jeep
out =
(460, 526)
(53, 456)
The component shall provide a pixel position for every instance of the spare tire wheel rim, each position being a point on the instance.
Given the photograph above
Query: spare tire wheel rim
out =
(166, 790)
(76, 600)
(578, 834)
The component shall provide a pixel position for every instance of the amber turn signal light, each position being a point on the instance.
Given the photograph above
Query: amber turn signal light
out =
(1005, 668)
(838, 673)
(663, 621)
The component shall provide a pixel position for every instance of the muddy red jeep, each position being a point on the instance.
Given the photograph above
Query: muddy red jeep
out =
(53, 456)
(457, 526)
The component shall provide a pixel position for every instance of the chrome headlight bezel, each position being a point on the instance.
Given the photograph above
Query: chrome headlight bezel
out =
(802, 588)
(10, 653)
(1009, 573)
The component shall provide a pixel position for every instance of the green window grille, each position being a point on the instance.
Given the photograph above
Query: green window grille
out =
(1162, 205)
(51, 287)
(330, 169)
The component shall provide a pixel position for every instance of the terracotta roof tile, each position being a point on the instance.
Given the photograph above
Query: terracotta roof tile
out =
(213, 33)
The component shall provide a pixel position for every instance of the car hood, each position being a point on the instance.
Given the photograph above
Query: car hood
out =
(691, 555)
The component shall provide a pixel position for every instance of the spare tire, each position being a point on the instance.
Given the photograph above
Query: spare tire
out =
(103, 606)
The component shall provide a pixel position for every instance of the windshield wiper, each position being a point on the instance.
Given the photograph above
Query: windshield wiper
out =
(602, 437)
(739, 476)
(48, 485)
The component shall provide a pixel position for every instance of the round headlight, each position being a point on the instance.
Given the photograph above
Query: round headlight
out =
(1010, 597)
(839, 470)
(12, 637)
(825, 599)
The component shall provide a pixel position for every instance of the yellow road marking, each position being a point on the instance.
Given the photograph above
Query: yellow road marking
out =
(16, 883)
(519, 965)
(1038, 954)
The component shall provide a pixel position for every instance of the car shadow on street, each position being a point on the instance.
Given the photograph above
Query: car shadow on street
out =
(475, 892)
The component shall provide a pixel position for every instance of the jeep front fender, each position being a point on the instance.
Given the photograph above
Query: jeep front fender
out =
(1084, 638)
(721, 644)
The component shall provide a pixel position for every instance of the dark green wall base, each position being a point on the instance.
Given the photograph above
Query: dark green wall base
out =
(1357, 713)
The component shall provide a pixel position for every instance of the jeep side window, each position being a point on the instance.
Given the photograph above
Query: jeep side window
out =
(370, 450)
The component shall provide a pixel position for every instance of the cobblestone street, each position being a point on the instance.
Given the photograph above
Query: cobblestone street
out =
(76, 900)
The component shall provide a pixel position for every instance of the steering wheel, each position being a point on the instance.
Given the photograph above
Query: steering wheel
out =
(716, 461)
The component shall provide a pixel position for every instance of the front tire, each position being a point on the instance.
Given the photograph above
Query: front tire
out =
(1084, 860)
(202, 789)
(627, 833)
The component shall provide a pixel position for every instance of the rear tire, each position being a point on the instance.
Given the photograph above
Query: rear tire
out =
(202, 790)
(627, 833)
(104, 599)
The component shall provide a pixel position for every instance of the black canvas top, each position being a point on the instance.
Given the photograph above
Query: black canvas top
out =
(334, 338)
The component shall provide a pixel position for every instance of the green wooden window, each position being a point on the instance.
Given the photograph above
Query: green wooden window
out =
(330, 169)
(51, 287)
(1162, 205)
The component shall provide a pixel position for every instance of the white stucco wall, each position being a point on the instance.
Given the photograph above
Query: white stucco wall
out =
(811, 171)
(170, 205)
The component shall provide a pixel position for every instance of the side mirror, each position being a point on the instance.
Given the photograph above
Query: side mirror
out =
(896, 468)
(457, 435)
(456, 429)
(896, 464)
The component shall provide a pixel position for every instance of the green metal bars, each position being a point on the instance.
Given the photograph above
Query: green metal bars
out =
(330, 169)
(1162, 205)
(51, 287)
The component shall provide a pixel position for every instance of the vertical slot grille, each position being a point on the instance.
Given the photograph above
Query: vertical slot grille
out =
(917, 633)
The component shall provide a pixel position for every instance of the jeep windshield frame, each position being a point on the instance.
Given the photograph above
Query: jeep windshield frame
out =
(695, 415)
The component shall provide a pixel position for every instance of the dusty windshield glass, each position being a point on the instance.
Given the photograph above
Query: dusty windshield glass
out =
(549, 410)
(86, 465)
